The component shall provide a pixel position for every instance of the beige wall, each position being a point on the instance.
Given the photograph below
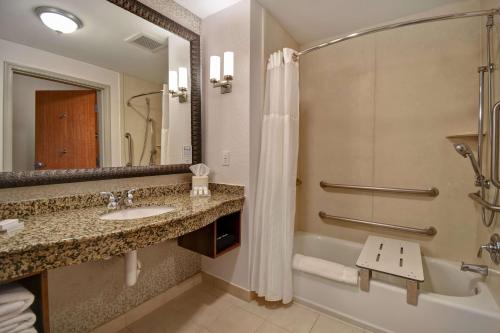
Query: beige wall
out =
(225, 121)
(376, 111)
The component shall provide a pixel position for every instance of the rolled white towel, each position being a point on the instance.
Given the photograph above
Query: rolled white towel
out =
(18, 323)
(14, 299)
(326, 269)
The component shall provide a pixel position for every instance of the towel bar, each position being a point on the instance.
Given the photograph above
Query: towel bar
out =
(429, 231)
(431, 192)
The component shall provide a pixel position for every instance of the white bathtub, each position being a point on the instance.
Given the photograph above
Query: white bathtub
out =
(450, 301)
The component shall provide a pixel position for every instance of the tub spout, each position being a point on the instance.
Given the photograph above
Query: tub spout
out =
(480, 269)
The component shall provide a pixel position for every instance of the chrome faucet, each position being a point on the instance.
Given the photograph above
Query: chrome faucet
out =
(123, 201)
(493, 247)
(480, 269)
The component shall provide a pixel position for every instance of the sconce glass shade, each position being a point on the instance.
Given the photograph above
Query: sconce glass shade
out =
(183, 78)
(215, 68)
(228, 63)
(172, 81)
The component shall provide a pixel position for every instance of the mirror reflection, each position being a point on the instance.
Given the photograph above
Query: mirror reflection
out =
(88, 84)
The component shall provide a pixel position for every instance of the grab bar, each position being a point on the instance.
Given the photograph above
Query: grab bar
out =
(494, 146)
(477, 198)
(128, 136)
(432, 192)
(429, 231)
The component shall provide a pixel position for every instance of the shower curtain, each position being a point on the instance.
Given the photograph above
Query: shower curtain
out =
(165, 123)
(274, 214)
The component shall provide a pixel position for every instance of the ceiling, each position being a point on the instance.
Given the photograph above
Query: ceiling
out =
(204, 8)
(309, 21)
(99, 42)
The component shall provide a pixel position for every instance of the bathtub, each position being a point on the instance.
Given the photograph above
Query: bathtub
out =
(450, 301)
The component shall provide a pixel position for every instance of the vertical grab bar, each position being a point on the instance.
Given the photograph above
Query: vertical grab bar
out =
(128, 136)
(494, 146)
(480, 130)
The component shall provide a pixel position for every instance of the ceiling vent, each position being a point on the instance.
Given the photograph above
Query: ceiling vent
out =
(146, 42)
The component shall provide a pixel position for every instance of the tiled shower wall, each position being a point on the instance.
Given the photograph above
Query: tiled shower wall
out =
(377, 110)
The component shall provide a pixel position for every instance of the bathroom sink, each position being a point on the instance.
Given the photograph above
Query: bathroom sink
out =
(136, 213)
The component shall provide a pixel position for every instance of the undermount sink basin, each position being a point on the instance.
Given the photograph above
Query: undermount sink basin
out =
(136, 213)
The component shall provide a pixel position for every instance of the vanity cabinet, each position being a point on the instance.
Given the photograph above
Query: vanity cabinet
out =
(215, 239)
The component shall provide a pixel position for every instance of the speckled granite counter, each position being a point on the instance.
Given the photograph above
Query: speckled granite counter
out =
(67, 230)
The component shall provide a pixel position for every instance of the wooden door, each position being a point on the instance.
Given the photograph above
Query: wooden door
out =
(66, 129)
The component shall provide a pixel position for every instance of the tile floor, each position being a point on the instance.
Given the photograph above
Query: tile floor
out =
(204, 309)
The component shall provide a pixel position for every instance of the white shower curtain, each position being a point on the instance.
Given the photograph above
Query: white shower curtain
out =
(273, 225)
(165, 126)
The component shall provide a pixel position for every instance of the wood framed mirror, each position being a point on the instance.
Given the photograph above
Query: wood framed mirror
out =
(97, 103)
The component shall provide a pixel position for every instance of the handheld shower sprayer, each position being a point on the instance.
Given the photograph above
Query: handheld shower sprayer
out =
(465, 151)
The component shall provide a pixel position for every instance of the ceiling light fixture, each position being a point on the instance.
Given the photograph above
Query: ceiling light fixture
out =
(58, 20)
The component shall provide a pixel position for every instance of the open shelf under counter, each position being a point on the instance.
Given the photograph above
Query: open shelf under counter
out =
(215, 239)
(37, 284)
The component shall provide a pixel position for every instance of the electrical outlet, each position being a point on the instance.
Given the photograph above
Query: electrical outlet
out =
(226, 158)
(187, 154)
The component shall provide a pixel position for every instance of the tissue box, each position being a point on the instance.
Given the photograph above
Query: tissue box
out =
(199, 181)
(200, 186)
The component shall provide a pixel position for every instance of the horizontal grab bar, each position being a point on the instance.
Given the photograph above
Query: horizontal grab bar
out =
(484, 203)
(429, 231)
(432, 192)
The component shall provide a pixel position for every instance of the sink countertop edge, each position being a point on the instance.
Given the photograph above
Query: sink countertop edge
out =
(38, 257)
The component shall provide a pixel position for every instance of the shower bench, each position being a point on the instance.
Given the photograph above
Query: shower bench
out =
(394, 257)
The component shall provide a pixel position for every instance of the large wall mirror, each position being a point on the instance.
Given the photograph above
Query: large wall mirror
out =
(118, 96)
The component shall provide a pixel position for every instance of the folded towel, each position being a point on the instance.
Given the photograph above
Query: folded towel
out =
(11, 225)
(6, 224)
(326, 269)
(18, 323)
(14, 299)
(29, 330)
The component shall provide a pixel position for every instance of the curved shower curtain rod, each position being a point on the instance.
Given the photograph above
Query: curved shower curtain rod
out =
(145, 94)
(489, 12)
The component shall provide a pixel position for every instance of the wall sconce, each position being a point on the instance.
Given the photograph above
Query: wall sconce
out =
(225, 85)
(178, 88)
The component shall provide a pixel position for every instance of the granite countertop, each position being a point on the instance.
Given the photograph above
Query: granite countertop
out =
(64, 231)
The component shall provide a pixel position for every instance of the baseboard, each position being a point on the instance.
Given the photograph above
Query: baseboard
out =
(149, 306)
(228, 287)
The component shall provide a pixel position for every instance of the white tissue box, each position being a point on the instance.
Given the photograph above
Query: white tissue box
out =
(200, 181)
(200, 186)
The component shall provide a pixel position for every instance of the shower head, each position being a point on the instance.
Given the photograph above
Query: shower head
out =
(463, 149)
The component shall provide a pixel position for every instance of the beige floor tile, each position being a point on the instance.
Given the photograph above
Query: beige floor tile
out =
(220, 294)
(236, 320)
(268, 327)
(125, 330)
(295, 318)
(165, 320)
(262, 308)
(199, 306)
(330, 325)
